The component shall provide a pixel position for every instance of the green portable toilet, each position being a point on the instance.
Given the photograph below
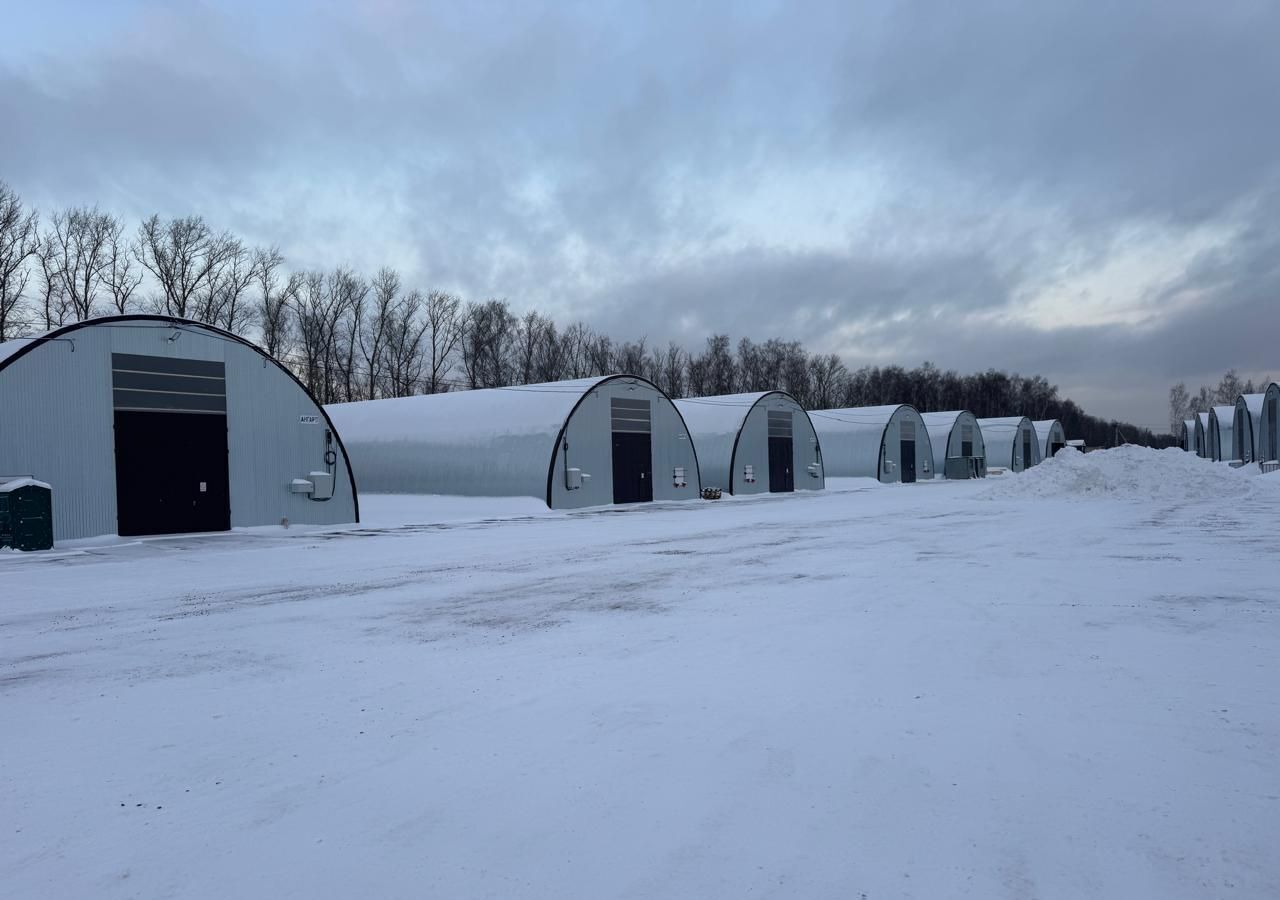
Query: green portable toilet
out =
(26, 514)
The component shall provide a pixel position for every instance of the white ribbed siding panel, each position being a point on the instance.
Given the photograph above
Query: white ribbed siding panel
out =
(503, 442)
(57, 423)
(946, 435)
(1221, 419)
(1048, 433)
(1269, 425)
(731, 432)
(1006, 437)
(865, 442)
(1203, 450)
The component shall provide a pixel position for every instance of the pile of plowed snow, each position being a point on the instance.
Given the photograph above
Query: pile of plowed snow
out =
(1133, 473)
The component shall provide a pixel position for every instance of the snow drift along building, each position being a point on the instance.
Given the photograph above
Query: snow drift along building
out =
(958, 448)
(154, 425)
(1050, 436)
(1011, 442)
(589, 442)
(889, 443)
(1221, 419)
(1192, 436)
(754, 443)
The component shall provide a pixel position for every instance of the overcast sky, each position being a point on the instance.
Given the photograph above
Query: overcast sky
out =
(1087, 191)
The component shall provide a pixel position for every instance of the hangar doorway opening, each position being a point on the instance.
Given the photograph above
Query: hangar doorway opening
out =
(632, 450)
(907, 450)
(170, 445)
(782, 476)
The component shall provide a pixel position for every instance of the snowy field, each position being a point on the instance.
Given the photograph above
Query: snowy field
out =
(1061, 684)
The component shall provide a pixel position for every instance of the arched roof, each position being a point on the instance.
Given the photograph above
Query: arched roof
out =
(863, 426)
(13, 350)
(535, 415)
(940, 425)
(1000, 435)
(1045, 429)
(716, 425)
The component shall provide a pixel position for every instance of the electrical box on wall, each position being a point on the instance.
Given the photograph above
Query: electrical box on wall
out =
(323, 482)
(749, 474)
(572, 479)
(677, 477)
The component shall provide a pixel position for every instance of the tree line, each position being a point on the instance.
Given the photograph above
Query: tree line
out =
(351, 337)
(1184, 405)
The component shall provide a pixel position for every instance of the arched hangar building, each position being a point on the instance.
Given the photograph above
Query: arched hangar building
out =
(1050, 436)
(154, 425)
(888, 443)
(588, 442)
(754, 443)
(1011, 442)
(958, 448)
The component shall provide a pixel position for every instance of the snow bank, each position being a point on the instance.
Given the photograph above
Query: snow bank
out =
(1132, 473)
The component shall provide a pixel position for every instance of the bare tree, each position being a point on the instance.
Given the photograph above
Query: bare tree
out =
(79, 238)
(632, 358)
(488, 334)
(404, 354)
(55, 305)
(120, 276)
(183, 255)
(19, 242)
(826, 382)
(275, 300)
(444, 321)
(377, 331)
(221, 299)
(530, 337)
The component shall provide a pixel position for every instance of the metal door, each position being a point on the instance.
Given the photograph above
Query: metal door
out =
(908, 451)
(782, 478)
(632, 467)
(171, 473)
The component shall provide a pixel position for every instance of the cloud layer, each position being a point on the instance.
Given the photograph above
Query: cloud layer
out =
(1087, 192)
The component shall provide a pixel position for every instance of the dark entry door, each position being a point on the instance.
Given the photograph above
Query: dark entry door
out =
(782, 478)
(632, 467)
(171, 473)
(1026, 451)
(1055, 447)
(908, 451)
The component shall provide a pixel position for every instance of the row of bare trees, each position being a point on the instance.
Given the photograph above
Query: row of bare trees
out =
(349, 337)
(1184, 405)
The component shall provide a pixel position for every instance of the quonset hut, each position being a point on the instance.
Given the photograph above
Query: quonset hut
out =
(1203, 449)
(155, 425)
(958, 448)
(888, 443)
(589, 442)
(1192, 435)
(1221, 418)
(1050, 436)
(1245, 427)
(754, 443)
(1011, 442)
(1269, 425)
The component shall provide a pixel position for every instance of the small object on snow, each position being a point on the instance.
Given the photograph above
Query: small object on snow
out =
(711, 493)
(284, 522)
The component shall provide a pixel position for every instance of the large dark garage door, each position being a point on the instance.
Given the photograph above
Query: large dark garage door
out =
(171, 445)
(907, 450)
(632, 451)
(782, 477)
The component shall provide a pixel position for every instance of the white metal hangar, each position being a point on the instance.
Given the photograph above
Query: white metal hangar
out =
(154, 425)
(1203, 449)
(958, 448)
(589, 442)
(1050, 436)
(754, 443)
(1244, 427)
(1221, 419)
(1011, 442)
(1192, 435)
(1269, 425)
(888, 443)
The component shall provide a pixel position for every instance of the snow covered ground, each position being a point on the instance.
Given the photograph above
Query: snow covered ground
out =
(1059, 684)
